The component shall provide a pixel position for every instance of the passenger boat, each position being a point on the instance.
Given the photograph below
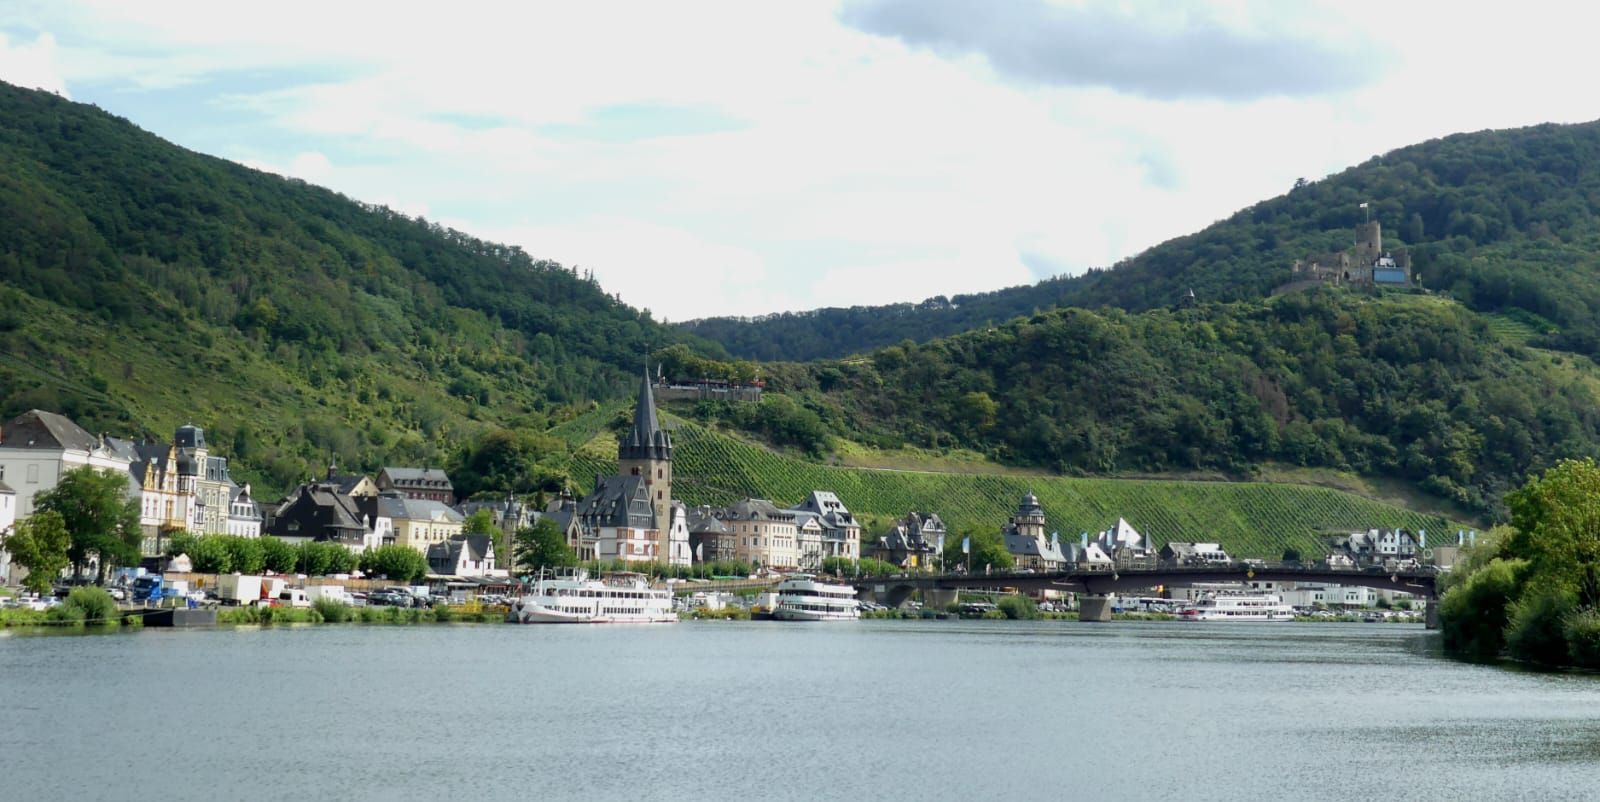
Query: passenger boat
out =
(1238, 607)
(802, 598)
(571, 596)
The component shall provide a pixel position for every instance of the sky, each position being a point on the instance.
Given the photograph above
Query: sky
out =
(738, 158)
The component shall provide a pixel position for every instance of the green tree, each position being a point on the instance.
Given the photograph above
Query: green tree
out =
(101, 520)
(988, 552)
(245, 554)
(39, 544)
(322, 558)
(542, 546)
(277, 556)
(399, 563)
(210, 555)
(1555, 521)
(480, 522)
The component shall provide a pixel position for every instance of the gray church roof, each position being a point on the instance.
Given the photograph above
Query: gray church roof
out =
(618, 501)
(48, 430)
(646, 440)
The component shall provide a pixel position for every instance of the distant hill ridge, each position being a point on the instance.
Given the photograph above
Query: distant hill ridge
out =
(1505, 220)
(143, 286)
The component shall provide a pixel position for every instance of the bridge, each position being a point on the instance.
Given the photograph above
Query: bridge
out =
(1095, 585)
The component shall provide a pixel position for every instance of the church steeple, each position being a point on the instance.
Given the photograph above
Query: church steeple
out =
(647, 440)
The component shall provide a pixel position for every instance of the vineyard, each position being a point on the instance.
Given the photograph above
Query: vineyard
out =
(1248, 519)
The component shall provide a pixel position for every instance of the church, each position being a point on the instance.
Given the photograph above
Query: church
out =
(632, 516)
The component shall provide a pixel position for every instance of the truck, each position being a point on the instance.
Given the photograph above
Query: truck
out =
(293, 597)
(153, 588)
(236, 589)
(335, 593)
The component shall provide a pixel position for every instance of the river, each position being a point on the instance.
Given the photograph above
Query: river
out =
(874, 710)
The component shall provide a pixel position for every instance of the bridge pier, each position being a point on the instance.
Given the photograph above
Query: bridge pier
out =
(939, 597)
(1094, 607)
(1430, 613)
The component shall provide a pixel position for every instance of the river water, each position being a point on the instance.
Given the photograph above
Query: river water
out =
(874, 710)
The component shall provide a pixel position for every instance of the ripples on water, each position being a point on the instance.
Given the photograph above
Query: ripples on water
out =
(875, 710)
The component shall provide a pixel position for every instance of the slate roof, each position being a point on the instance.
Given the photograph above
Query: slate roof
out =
(418, 509)
(346, 482)
(37, 428)
(646, 440)
(320, 512)
(5, 488)
(617, 501)
(757, 509)
(1026, 546)
(381, 506)
(704, 521)
(446, 557)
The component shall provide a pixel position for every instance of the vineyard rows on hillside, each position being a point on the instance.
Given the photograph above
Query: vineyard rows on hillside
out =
(1249, 519)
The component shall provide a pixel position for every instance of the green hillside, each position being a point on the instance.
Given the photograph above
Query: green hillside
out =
(1249, 518)
(143, 286)
(1506, 221)
(1407, 387)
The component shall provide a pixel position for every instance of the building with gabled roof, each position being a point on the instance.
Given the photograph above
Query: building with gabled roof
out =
(318, 512)
(431, 484)
(841, 532)
(631, 516)
(465, 556)
(37, 447)
(913, 542)
(1025, 538)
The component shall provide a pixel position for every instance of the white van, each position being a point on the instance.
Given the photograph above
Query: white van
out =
(293, 597)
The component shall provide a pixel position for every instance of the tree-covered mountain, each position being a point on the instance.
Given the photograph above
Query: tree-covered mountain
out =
(1411, 387)
(143, 285)
(1505, 221)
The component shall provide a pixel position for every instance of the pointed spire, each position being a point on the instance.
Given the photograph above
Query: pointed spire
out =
(647, 440)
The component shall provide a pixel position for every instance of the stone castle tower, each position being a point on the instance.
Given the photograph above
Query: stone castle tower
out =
(647, 451)
(1369, 242)
(1029, 519)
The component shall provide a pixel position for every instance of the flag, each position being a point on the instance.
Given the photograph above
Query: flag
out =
(1422, 538)
(966, 545)
(941, 542)
(1362, 206)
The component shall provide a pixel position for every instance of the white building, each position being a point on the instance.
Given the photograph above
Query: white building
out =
(37, 447)
(8, 520)
(244, 519)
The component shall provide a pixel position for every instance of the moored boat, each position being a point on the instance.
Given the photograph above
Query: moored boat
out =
(801, 597)
(1238, 607)
(571, 596)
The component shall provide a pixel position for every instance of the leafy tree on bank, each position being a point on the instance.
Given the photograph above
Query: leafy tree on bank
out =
(209, 555)
(399, 563)
(324, 558)
(100, 518)
(1555, 521)
(40, 544)
(988, 552)
(277, 556)
(542, 546)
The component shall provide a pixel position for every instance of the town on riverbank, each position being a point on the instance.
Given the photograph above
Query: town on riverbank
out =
(164, 525)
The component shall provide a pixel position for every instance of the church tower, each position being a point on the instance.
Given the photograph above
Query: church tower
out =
(646, 451)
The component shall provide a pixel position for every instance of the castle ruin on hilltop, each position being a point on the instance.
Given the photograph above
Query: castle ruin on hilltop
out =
(1366, 264)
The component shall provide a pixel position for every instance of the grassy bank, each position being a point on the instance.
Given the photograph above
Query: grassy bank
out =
(333, 613)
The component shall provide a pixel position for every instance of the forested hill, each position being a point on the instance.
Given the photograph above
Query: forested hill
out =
(1504, 221)
(1408, 387)
(143, 285)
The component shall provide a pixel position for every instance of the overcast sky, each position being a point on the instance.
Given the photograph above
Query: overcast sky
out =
(742, 158)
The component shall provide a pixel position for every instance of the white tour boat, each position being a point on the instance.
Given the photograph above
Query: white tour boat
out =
(572, 597)
(1238, 607)
(802, 598)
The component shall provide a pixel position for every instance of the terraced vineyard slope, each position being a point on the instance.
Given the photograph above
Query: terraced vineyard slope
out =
(1250, 519)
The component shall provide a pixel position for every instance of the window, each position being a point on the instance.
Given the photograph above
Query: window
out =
(33, 474)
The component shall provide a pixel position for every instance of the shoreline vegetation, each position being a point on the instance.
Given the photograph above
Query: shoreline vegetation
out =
(1529, 592)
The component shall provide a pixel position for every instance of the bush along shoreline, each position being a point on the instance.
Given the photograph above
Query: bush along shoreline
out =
(1530, 591)
(89, 608)
(326, 611)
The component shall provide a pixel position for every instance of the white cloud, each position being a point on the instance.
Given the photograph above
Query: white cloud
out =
(31, 65)
(819, 165)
